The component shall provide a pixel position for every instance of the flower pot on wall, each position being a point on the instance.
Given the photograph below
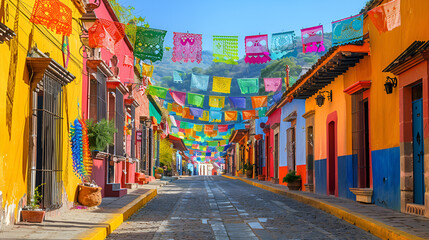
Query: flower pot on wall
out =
(89, 196)
(33, 216)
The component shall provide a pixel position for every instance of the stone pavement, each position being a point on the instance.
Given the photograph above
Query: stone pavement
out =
(382, 222)
(214, 207)
(83, 223)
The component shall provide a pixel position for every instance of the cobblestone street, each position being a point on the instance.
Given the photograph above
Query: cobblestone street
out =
(213, 207)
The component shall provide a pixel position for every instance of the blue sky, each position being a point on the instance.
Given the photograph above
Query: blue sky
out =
(241, 18)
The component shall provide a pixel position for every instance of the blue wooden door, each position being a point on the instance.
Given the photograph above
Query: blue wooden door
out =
(418, 153)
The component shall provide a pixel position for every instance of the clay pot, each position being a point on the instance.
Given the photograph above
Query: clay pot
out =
(33, 216)
(249, 173)
(89, 196)
(158, 175)
(261, 177)
(294, 185)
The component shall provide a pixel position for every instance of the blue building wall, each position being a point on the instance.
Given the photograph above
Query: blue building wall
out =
(386, 178)
(320, 176)
(297, 105)
(347, 176)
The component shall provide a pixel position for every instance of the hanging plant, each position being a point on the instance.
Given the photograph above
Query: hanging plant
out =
(100, 134)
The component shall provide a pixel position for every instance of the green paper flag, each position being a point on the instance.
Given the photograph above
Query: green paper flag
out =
(196, 99)
(213, 144)
(149, 44)
(248, 85)
(157, 91)
(262, 112)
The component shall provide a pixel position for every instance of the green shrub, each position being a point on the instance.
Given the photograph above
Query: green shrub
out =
(35, 200)
(100, 134)
(159, 170)
(291, 177)
(248, 167)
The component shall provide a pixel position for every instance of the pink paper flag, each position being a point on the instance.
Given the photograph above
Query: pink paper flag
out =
(257, 49)
(187, 47)
(178, 97)
(312, 39)
(273, 84)
(222, 128)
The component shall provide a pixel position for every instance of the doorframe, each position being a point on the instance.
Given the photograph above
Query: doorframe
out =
(332, 117)
(309, 122)
(413, 76)
(276, 131)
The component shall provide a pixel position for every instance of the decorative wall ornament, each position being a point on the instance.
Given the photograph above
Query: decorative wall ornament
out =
(312, 39)
(149, 44)
(347, 30)
(282, 44)
(187, 47)
(225, 49)
(257, 49)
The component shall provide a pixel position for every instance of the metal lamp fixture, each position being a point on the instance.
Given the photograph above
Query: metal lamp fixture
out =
(320, 99)
(390, 84)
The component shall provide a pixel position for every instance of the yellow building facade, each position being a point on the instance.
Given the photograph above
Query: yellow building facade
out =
(33, 76)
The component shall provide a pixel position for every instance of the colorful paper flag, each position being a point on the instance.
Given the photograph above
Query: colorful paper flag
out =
(198, 127)
(187, 47)
(196, 99)
(347, 30)
(282, 44)
(225, 49)
(200, 82)
(222, 128)
(230, 115)
(248, 114)
(216, 101)
(55, 15)
(206, 116)
(257, 49)
(221, 84)
(187, 113)
(215, 116)
(177, 109)
(178, 97)
(259, 101)
(312, 39)
(149, 44)
(248, 85)
(196, 112)
(386, 17)
(157, 91)
(208, 128)
(273, 84)
(237, 102)
(178, 76)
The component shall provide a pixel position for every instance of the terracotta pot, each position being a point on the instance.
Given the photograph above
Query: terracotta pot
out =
(32, 216)
(261, 177)
(249, 173)
(158, 175)
(89, 196)
(294, 185)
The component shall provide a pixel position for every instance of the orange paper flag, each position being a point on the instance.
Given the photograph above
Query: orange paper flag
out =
(259, 101)
(230, 115)
(248, 114)
(208, 128)
(212, 134)
(187, 113)
(386, 17)
(177, 109)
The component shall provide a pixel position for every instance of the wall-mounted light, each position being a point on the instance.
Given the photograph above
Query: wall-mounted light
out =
(390, 84)
(320, 99)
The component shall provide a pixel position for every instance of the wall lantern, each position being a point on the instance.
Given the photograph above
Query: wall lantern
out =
(390, 84)
(88, 19)
(320, 99)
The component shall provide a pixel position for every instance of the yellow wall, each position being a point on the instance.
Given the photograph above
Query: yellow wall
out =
(14, 145)
(384, 108)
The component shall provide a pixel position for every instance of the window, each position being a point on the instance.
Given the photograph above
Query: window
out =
(120, 124)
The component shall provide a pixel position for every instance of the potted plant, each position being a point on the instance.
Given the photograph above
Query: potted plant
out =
(261, 177)
(293, 181)
(100, 134)
(158, 173)
(32, 213)
(89, 195)
(249, 170)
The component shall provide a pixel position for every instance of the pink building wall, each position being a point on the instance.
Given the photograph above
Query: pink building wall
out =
(272, 119)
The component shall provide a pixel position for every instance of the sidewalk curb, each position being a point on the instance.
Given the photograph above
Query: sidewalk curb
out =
(370, 225)
(119, 217)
